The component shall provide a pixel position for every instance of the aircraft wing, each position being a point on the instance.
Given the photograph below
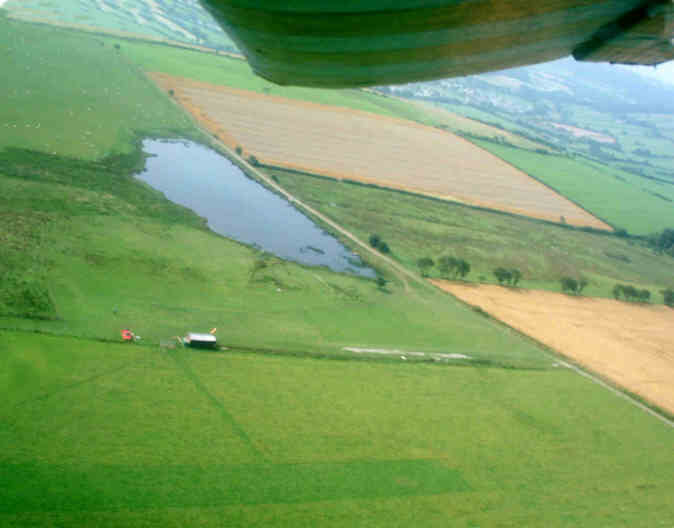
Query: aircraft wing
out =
(346, 43)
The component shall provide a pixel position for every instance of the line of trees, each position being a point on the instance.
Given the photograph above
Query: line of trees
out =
(630, 293)
(574, 286)
(450, 267)
(454, 267)
(508, 276)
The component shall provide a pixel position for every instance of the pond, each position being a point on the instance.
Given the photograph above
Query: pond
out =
(238, 207)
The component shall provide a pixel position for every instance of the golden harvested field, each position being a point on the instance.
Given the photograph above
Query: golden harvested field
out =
(630, 344)
(351, 144)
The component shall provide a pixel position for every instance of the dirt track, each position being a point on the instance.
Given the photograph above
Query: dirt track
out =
(350, 144)
(630, 344)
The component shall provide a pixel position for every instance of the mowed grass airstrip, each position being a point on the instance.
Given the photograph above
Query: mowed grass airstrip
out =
(107, 435)
(292, 430)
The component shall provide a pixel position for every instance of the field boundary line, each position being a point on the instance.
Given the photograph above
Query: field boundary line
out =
(570, 364)
(596, 379)
(402, 272)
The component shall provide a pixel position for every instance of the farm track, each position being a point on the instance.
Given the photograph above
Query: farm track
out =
(665, 402)
(628, 344)
(350, 144)
(403, 274)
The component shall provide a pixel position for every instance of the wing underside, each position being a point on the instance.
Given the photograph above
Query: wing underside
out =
(345, 43)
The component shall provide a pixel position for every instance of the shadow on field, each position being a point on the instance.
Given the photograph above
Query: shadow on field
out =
(42, 487)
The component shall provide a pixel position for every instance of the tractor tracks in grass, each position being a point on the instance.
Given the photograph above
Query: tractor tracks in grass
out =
(183, 365)
(74, 385)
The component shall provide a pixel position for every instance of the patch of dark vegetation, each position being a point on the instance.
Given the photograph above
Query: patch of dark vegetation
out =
(108, 188)
(479, 310)
(511, 277)
(379, 244)
(663, 243)
(628, 292)
(572, 285)
(23, 267)
(668, 296)
(618, 256)
(112, 176)
(22, 296)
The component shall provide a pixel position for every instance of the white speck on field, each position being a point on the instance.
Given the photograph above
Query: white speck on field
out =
(406, 353)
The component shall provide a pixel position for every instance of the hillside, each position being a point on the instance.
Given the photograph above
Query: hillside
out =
(87, 248)
(609, 128)
(336, 400)
(175, 20)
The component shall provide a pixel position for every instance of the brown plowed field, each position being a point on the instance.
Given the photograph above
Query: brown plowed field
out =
(629, 344)
(344, 143)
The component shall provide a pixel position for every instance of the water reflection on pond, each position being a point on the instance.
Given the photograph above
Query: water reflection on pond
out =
(240, 208)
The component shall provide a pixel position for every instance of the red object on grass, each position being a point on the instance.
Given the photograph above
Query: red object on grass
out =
(127, 335)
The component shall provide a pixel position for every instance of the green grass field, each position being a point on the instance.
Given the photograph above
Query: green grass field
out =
(416, 227)
(72, 94)
(227, 71)
(113, 253)
(178, 21)
(284, 428)
(616, 197)
(109, 434)
(620, 198)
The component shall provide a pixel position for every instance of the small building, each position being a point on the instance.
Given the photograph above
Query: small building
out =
(195, 340)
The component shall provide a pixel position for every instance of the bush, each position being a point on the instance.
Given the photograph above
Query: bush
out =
(425, 263)
(575, 286)
(25, 298)
(663, 242)
(668, 296)
(463, 268)
(502, 275)
(569, 285)
(377, 243)
(630, 293)
(454, 266)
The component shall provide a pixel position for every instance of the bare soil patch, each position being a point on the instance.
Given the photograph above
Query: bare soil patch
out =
(630, 344)
(350, 144)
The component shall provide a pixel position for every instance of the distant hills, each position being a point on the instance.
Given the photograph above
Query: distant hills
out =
(608, 113)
